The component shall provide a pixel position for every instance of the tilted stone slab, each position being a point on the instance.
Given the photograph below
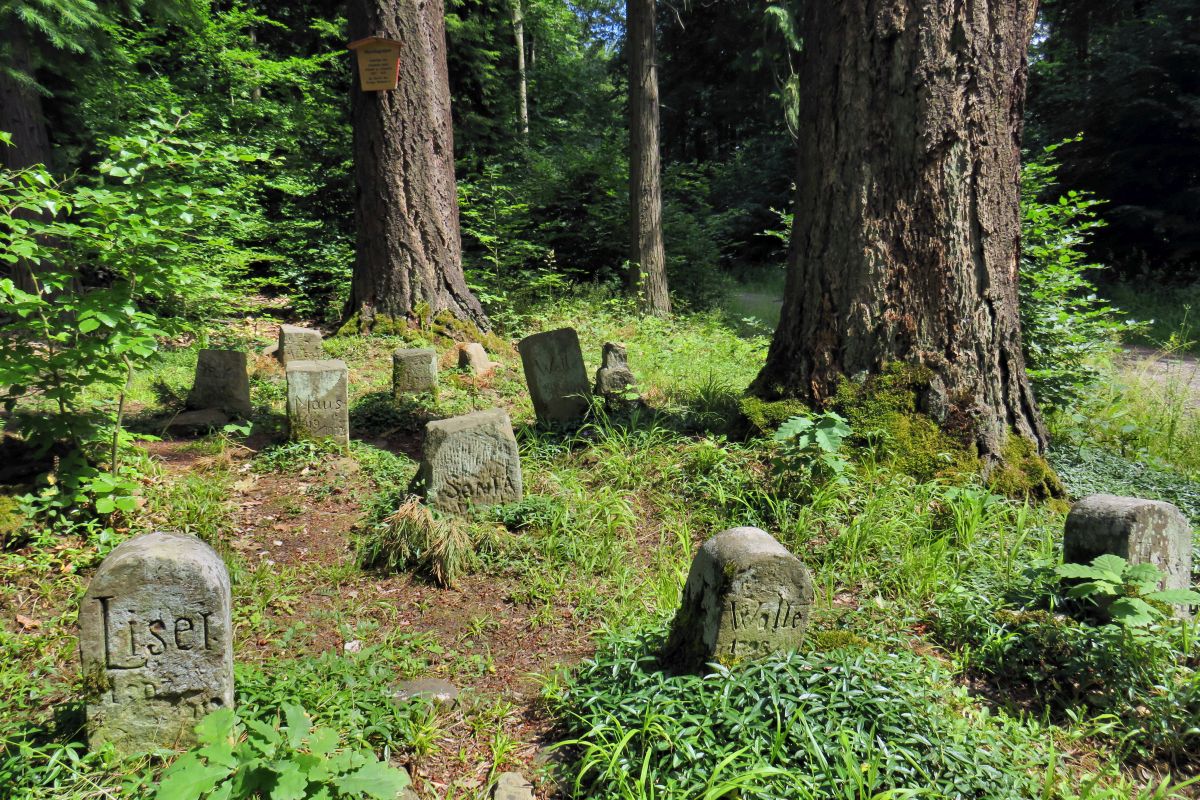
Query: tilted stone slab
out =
(745, 597)
(156, 642)
(318, 407)
(299, 344)
(222, 382)
(470, 460)
(1139, 531)
(414, 370)
(554, 372)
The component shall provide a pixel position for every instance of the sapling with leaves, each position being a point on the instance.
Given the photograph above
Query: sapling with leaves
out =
(809, 449)
(1129, 594)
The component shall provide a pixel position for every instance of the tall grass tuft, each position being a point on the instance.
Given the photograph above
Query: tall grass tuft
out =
(413, 538)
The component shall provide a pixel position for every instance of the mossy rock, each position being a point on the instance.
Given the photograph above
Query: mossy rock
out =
(422, 326)
(1023, 472)
(12, 521)
(822, 641)
(760, 417)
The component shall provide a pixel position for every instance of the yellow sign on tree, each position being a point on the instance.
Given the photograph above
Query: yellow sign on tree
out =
(378, 63)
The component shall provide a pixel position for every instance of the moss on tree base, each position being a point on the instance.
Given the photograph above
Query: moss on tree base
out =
(443, 325)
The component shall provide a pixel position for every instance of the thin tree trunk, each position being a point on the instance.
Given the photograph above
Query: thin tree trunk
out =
(906, 240)
(648, 270)
(408, 263)
(518, 23)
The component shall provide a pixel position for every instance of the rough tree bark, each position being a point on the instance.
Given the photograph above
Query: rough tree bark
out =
(409, 254)
(518, 23)
(905, 246)
(648, 267)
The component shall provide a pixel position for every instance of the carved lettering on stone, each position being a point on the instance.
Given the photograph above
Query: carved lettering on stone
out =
(318, 407)
(299, 344)
(222, 382)
(471, 460)
(554, 372)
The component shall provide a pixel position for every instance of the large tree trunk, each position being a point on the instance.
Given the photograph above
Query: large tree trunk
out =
(409, 254)
(905, 245)
(648, 270)
(518, 23)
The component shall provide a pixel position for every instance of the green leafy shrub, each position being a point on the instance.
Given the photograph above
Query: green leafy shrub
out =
(243, 758)
(1092, 470)
(1127, 594)
(809, 449)
(845, 723)
(1066, 328)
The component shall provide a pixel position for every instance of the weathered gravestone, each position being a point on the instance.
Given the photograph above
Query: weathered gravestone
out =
(470, 460)
(414, 371)
(554, 372)
(156, 642)
(1139, 531)
(317, 403)
(222, 382)
(614, 379)
(474, 359)
(299, 344)
(746, 596)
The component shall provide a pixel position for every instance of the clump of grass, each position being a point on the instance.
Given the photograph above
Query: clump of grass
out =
(413, 538)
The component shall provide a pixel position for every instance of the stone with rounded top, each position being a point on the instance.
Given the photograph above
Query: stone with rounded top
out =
(470, 460)
(318, 407)
(512, 786)
(222, 382)
(414, 370)
(474, 359)
(554, 373)
(299, 344)
(745, 597)
(614, 379)
(155, 642)
(1139, 531)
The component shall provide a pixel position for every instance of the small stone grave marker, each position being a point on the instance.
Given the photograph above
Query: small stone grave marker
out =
(554, 372)
(746, 596)
(414, 371)
(470, 460)
(222, 382)
(299, 344)
(474, 359)
(317, 404)
(1139, 531)
(614, 378)
(156, 642)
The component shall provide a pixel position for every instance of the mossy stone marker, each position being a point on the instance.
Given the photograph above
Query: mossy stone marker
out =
(156, 642)
(299, 344)
(471, 460)
(222, 382)
(414, 370)
(554, 372)
(745, 597)
(318, 407)
(1139, 531)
